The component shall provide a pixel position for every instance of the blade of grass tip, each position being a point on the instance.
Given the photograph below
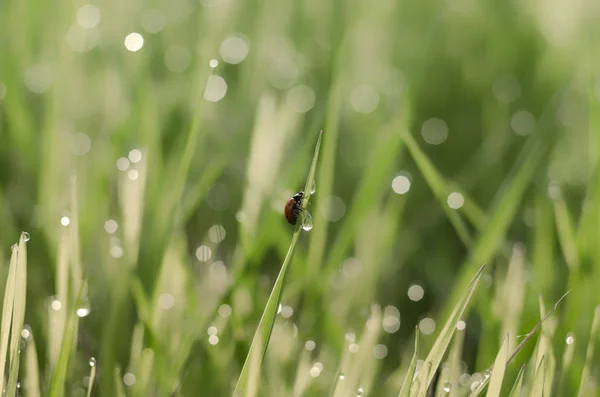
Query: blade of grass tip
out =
(265, 326)
(7, 311)
(437, 185)
(443, 340)
(18, 314)
(92, 376)
(499, 369)
(410, 373)
(516, 389)
(32, 368)
(120, 391)
(59, 376)
(537, 389)
(565, 228)
(589, 355)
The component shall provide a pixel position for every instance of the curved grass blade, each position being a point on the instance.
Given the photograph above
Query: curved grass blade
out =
(516, 389)
(410, 373)
(443, 340)
(7, 313)
(538, 381)
(265, 326)
(499, 369)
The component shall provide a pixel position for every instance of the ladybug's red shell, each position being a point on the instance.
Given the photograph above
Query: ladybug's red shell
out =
(293, 207)
(289, 211)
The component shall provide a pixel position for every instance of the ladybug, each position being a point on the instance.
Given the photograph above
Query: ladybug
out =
(293, 207)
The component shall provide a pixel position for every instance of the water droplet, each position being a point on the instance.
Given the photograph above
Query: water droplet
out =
(307, 221)
(447, 386)
(26, 236)
(313, 187)
(93, 362)
(570, 338)
(14, 248)
(18, 385)
(84, 308)
(486, 374)
(360, 392)
(342, 376)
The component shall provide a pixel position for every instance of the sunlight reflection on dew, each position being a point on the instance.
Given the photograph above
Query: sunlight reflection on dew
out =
(55, 305)
(135, 156)
(380, 352)
(153, 21)
(427, 326)
(88, 16)
(461, 325)
(234, 49)
(177, 59)
(447, 386)
(212, 330)
(225, 310)
(364, 98)
(350, 337)
(434, 131)
(216, 88)
(166, 301)
(314, 372)
(133, 175)
(213, 339)
(310, 345)
(455, 200)
(129, 379)
(81, 144)
(465, 380)
(570, 338)
(116, 251)
(110, 226)
(401, 184)
(301, 98)
(65, 221)
(353, 348)
(522, 123)
(134, 42)
(415, 292)
(216, 233)
(287, 311)
(203, 253)
(26, 332)
(213, 63)
(123, 164)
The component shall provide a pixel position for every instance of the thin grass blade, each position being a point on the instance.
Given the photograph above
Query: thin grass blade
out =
(516, 389)
(261, 338)
(7, 312)
(537, 389)
(410, 373)
(589, 355)
(32, 369)
(443, 340)
(495, 386)
(93, 366)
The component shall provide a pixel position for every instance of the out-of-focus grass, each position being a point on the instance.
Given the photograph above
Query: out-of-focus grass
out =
(152, 182)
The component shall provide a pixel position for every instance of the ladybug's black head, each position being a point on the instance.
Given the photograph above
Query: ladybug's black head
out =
(298, 196)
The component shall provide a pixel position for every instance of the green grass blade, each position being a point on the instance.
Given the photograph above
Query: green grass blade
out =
(265, 326)
(410, 373)
(589, 355)
(516, 389)
(7, 312)
(443, 340)
(18, 315)
(437, 185)
(537, 389)
(499, 369)
(32, 369)
(59, 376)
(93, 366)
(566, 232)
(425, 372)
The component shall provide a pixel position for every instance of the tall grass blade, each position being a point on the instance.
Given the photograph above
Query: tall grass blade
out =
(265, 326)
(589, 355)
(425, 372)
(516, 389)
(93, 366)
(566, 231)
(495, 386)
(443, 340)
(7, 312)
(410, 373)
(32, 369)
(537, 389)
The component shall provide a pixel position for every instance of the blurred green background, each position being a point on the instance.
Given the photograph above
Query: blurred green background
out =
(149, 148)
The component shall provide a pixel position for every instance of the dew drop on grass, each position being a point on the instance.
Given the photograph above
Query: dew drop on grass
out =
(570, 338)
(85, 308)
(26, 236)
(360, 392)
(447, 386)
(307, 221)
(14, 248)
(93, 362)
(342, 376)
(313, 187)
